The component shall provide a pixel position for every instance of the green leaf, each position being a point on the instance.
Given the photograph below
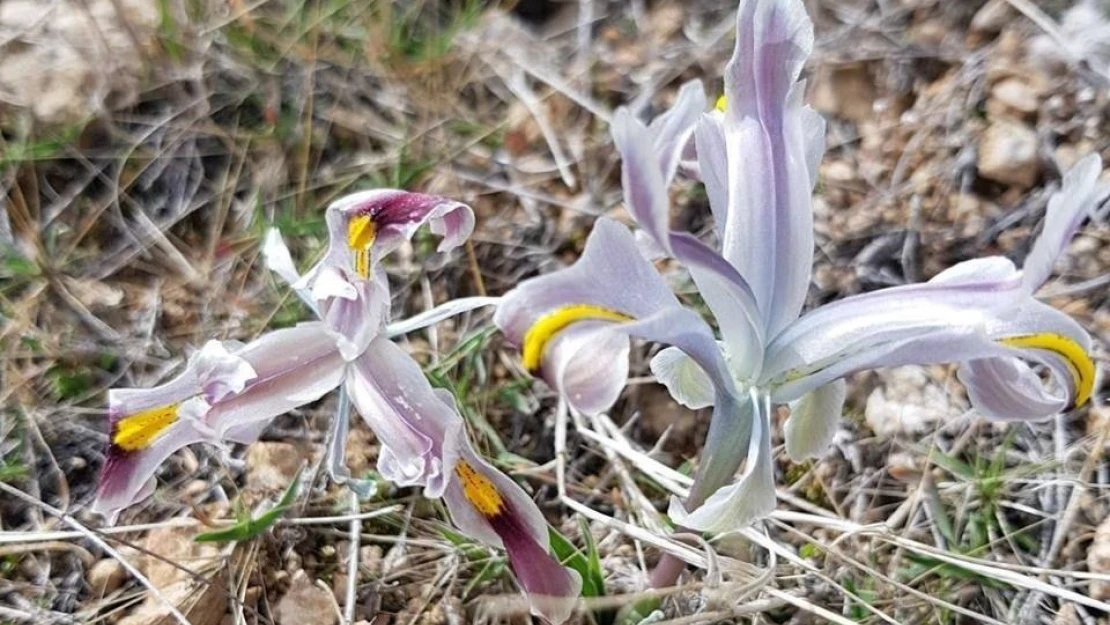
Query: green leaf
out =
(950, 570)
(586, 564)
(248, 528)
(635, 612)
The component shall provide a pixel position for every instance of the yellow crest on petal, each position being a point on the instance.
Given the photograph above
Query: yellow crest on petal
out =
(1079, 363)
(361, 232)
(479, 490)
(138, 431)
(722, 102)
(546, 327)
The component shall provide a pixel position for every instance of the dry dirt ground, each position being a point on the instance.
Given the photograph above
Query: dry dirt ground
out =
(146, 145)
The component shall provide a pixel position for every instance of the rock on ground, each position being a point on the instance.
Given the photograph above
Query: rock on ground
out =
(908, 402)
(305, 602)
(1008, 154)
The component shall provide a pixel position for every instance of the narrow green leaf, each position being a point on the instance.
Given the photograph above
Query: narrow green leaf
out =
(248, 528)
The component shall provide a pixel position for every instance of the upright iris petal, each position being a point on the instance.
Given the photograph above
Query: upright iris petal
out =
(348, 288)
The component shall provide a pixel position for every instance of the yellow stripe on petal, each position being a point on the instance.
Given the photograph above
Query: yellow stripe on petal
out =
(361, 233)
(479, 490)
(136, 432)
(1079, 363)
(722, 103)
(546, 327)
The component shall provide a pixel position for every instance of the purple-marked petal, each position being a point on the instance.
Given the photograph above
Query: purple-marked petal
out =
(813, 421)
(768, 231)
(416, 427)
(397, 215)
(349, 286)
(1075, 201)
(520, 529)
(128, 477)
(277, 372)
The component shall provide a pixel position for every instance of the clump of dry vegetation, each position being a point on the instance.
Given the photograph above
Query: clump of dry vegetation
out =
(146, 146)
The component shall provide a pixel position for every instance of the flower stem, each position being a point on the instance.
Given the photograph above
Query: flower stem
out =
(725, 450)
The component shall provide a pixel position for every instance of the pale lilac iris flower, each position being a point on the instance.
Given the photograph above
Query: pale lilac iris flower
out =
(227, 392)
(230, 392)
(758, 160)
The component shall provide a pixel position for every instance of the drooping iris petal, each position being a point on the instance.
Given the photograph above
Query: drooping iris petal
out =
(971, 313)
(813, 421)
(1076, 200)
(745, 500)
(146, 426)
(863, 326)
(612, 284)
(768, 231)
(417, 430)
(128, 474)
(392, 217)
(485, 504)
(588, 363)
(424, 443)
(930, 324)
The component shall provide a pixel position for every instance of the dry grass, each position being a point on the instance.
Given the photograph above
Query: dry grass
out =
(131, 237)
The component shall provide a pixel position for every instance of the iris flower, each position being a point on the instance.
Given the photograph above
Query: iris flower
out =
(230, 392)
(757, 155)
